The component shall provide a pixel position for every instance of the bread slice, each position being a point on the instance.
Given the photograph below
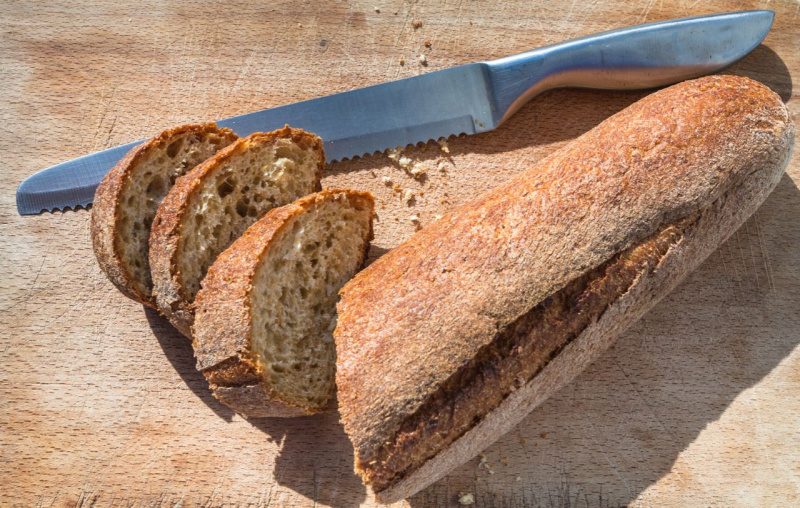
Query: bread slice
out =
(126, 201)
(217, 201)
(267, 308)
(449, 340)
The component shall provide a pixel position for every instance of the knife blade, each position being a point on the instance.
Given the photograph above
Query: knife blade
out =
(467, 99)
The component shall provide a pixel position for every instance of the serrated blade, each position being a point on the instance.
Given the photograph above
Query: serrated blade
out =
(398, 113)
(355, 123)
(70, 184)
(467, 99)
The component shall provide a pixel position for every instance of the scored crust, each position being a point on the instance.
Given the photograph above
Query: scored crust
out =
(107, 207)
(223, 327)
(698, 241)
(166, 235)
(420, 315)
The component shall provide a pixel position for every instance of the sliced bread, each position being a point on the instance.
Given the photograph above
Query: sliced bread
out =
(267, 309)
(127, 198)
(217, 201)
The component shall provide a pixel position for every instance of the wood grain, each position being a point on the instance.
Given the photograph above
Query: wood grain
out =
(101, 405)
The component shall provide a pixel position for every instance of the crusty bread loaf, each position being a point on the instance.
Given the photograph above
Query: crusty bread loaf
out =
(127, 198)
(266, 312)
(448, 341)
(212, 205)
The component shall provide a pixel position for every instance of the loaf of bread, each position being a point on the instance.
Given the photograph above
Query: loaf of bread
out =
(449, 340)
(127, 198)
(265, 315)
(213, 204)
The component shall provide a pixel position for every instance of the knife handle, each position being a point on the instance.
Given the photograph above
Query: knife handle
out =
(644, 56)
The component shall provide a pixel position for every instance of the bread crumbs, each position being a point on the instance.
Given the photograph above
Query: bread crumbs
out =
(465, 499)
(423, 60)
(417, 170)
(408, 196)
(416, 23)
(386, 180)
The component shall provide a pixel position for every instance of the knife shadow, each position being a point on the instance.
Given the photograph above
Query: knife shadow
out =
(629, 421)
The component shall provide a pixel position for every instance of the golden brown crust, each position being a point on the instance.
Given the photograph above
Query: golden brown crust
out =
(457, 285)
(223, 325)
(700, 239)
(516, 354)
(107, 205)
(166, 230)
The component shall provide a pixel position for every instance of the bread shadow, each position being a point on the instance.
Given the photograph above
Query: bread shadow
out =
(374, 253)
(179, 352)
(624, 424)
(766, 66)
(316, 458)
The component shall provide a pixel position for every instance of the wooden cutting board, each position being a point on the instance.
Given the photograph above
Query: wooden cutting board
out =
(100, 403)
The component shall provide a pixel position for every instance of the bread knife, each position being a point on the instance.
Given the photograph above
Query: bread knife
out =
(467, 99)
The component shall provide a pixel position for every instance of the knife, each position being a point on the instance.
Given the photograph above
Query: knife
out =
(467, 99)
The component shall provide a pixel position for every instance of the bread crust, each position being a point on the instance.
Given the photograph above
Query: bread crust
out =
(223, 328)
(107, 206)
(165, 236)
(713, 147)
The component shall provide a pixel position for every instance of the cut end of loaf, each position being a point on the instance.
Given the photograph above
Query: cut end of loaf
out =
(275, 291)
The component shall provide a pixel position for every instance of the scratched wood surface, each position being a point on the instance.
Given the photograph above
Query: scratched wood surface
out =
(100, 404)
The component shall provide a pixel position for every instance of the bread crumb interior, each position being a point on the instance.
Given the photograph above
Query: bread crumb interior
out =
(269, 173)
(294, 296)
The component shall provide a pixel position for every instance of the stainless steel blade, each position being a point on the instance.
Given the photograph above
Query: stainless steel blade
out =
(70, 184)
(355, 123)
(467, 99)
